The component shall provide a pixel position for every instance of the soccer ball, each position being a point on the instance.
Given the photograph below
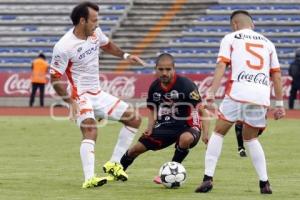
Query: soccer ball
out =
(172, 174)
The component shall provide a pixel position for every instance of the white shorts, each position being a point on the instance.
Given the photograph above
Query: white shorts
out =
(250, 114)
(100, 105)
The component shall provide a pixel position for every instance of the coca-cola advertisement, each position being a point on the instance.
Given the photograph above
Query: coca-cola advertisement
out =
(123, 85)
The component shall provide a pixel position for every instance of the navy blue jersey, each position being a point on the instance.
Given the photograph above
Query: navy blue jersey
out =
(175, 106)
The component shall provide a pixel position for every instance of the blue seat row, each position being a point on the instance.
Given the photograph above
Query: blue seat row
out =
(255, 18)
(214, 50)
(262, 29)
(256, 7)
(8, 17)
(217, 40)
(25, 50)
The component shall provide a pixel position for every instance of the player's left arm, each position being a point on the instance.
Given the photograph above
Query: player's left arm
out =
(196, 101)
(113, 49)
(279, 111)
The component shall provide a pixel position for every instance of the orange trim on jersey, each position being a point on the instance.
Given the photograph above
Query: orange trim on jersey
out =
(55, 73)
(83, 111)
(114, 106)
(69, 75)
(223, 59)
(108, 43)
(277, 69)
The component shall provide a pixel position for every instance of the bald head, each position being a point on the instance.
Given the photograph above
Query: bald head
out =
(241, 19)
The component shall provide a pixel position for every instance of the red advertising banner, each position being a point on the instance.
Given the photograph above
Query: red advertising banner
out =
(125, 86)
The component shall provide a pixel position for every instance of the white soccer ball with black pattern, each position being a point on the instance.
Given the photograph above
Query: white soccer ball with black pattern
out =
(172, 174)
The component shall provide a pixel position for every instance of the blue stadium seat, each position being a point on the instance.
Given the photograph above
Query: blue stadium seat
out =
(256, 7)
(8, 17)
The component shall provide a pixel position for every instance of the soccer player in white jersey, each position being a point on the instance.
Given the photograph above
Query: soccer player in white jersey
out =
(76, 54)
(253, 62)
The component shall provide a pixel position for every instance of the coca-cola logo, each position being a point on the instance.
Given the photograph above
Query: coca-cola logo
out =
(19, 84)
(259, 78)
(120, 86)
(15, 85)
(204, 84)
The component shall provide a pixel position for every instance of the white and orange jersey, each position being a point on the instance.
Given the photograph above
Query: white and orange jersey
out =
(79, 59)
(253, 59)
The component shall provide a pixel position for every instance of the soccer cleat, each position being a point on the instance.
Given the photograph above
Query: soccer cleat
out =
(265, 187)
(157, 180)
(116, 170)
(205, 187)
(242, 153)
(110, 178)
(94, 182)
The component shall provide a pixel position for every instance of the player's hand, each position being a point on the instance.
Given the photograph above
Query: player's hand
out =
(279, 112)
(148, 132)
(74, 109)
(136, 59)
(205, 138)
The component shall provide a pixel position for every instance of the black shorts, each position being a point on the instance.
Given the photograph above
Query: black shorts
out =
(162, 138)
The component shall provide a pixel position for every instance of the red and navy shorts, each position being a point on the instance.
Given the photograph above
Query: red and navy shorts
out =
(162, 138)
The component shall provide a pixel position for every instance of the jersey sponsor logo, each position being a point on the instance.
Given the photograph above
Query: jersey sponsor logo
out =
(172, 95)
(88, 52)
(195, 95)
(251, 37)
(259, 78)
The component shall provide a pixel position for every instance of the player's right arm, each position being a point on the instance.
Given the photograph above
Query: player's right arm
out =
(223, 61)
(58, 66)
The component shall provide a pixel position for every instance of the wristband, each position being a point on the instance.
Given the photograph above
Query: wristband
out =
(279, 103)
(125, 56)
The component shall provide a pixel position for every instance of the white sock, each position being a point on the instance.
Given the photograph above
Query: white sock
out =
(213, 152)
(87, 158)
(125, 139)
(258, 158)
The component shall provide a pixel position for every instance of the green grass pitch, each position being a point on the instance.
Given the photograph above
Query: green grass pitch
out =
(39, 159)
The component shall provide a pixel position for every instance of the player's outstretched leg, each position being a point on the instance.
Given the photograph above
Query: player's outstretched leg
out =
(131, 121)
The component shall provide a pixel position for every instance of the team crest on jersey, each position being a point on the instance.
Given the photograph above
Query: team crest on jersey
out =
(195, 95)
(79, 49)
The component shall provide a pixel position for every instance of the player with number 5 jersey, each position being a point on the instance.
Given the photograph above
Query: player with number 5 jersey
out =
(254, 63)
(253, 59)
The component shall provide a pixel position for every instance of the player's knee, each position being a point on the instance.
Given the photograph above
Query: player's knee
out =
(89, 129)
(186, 140)
(131, 118)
